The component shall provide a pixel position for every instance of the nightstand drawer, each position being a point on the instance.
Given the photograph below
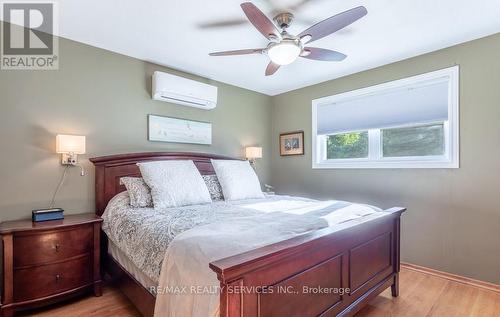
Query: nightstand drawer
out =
(49, 246)
(51, 279)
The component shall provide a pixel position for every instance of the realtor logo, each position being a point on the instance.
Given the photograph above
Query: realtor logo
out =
(27, 40)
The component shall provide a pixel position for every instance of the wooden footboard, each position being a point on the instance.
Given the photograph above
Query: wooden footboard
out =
(331, 272)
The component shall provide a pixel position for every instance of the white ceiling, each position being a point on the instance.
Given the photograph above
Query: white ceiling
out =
(167, 33)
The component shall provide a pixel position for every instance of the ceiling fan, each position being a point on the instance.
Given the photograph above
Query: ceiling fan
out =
(284, 48)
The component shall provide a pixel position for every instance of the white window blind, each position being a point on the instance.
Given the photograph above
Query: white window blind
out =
(395, 107)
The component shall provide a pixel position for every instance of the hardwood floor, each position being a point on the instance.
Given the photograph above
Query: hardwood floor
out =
(421, 295)
(111, 303)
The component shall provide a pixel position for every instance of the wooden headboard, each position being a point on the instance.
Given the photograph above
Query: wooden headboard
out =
(109, 170)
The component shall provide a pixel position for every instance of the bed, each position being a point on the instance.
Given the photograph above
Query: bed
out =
(361, 255)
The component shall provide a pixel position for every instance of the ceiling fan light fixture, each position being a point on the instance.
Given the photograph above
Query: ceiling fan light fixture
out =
(284, 53)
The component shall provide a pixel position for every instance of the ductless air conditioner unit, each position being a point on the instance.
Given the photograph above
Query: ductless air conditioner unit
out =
(183, 91)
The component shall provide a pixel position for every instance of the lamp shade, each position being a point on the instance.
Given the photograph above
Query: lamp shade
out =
(70, 144)
(253, 152)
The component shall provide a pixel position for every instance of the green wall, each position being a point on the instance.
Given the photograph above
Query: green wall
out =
(107, 97)
(453, 218)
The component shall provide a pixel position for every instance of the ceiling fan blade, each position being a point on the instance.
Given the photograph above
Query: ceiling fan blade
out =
(321, 54)
(272, 68)
(238, 52)
(260, 21)
(333, 24)
(221, 24)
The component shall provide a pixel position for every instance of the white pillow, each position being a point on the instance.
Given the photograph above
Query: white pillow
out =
(174, 183)
(237, 179)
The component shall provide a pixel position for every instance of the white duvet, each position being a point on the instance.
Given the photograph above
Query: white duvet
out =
(188, 287)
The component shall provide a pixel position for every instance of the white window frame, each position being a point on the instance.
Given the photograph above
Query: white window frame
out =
(375, 160)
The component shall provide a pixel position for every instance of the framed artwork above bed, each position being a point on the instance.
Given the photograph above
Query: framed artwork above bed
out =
(292, 143)
(175, 130)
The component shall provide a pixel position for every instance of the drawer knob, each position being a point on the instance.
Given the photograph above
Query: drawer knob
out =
(56, 247)
(58, 278)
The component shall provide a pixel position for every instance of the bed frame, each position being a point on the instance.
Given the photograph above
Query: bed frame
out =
(303, 276)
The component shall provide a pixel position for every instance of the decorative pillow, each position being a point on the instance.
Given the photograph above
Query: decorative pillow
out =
(213, 186)
(138, 191)
(237, 179)
(174, 183)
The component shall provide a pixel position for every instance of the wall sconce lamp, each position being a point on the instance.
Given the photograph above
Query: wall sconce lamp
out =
(70, 146)
(252, 153)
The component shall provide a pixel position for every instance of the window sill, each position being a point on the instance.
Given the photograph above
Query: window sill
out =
(353, 164)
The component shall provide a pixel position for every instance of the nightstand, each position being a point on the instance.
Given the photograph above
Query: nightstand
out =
(45, 262)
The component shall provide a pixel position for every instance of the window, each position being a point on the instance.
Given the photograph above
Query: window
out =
(347, 145)
(408, 123)
(422, 140)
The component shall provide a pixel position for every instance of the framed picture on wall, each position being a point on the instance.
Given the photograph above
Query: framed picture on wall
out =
(292, 143)
(167, 129)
